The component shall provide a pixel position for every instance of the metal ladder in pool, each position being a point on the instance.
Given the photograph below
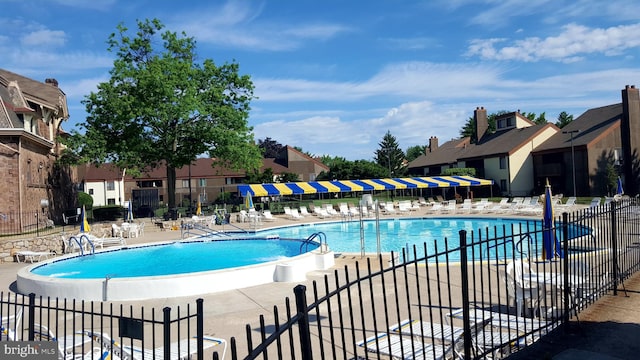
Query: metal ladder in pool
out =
(78, 241)
(322, 238)
(198, 230)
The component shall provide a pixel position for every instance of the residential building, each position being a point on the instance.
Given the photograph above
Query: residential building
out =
(503, 156)
(200, 181)
(31, 113)
(580, 159)
(600, 141)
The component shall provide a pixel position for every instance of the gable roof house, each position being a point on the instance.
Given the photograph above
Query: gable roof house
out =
(31, 113)
(598, 141)
(503, 156)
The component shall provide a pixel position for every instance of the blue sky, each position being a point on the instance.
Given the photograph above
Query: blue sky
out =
(333, 76)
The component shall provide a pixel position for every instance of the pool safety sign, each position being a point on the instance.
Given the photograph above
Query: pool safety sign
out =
(28, 350)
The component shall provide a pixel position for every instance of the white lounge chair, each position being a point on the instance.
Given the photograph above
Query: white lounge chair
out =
(182, 350)
(304, 211)
(320, 212)
(267, 216)
(9, 325)
(70, 347)
(32, 256)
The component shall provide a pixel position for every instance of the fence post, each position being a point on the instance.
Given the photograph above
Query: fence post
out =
(464, 284)
(32, 316)
(565, 271)
(614, 248)
(166, 332)
(303, 322)
(200, 328)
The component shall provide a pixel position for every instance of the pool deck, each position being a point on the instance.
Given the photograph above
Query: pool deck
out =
(609, 329)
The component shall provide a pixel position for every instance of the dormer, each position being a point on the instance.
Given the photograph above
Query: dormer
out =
(512, 120)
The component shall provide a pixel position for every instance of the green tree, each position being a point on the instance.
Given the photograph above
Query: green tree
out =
(270, 148)
(564, 119)
(257, 177)
(342, 169)
(390, 156)
(414, 152)
(288, 177)
(538, 120)
(160, 107)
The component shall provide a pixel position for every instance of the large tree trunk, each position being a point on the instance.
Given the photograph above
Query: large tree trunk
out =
(171, 186)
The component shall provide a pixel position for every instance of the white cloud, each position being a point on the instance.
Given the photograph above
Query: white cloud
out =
(238, 24)
(415, 79)
(574, 42)
(44, 38)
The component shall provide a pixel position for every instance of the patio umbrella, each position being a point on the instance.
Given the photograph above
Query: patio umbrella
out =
(84, 225)
(548, 238)
(199, 207)
(248, 201)
(620, 190)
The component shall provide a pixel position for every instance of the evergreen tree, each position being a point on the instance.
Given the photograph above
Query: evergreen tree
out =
(390, 156)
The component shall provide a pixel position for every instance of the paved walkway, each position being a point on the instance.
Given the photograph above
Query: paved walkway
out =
(608, 329)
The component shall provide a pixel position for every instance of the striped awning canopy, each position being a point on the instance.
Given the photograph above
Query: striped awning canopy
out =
(335, 186)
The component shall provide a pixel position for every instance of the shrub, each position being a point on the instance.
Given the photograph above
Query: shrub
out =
(108, 213)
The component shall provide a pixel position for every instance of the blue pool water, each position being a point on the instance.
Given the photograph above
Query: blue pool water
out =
(398, 234)
(173, 258)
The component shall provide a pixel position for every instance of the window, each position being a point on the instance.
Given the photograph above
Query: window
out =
(503, 184)
(111, 201)
(185, 183)
(503, 162)
(111, 185)
(202, 182)
(29, 169)
(90, 191)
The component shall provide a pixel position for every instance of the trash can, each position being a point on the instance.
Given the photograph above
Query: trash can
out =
(173, 214)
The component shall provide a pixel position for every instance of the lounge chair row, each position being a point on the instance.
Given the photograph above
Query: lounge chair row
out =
(490, 331)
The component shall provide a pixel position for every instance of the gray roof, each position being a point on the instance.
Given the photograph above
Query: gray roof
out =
(503, 142)
(36, 91)
(590, 125)
(446, 153)
(12, 121)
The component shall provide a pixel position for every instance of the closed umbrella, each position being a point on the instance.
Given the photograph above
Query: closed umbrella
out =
(129, 212)
(619, 190)
(84, 225)
(199, 207)
(248, 201)
(550, 245)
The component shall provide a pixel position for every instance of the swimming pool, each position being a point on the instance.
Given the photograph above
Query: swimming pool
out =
(171, 269)
(402, 233)
(173, 258)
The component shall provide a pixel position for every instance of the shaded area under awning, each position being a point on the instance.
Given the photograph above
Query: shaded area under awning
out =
(336, 186)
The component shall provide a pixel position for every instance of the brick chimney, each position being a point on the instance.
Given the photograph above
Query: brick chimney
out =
(482, 122)
(630, 134)
(433, 144)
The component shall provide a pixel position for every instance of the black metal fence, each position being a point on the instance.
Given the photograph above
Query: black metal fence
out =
(20, 223)
(90, 330)
(488, 294)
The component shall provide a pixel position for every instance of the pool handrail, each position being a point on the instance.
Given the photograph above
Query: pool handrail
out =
(198, 230)
(320, 235)
(78, 240)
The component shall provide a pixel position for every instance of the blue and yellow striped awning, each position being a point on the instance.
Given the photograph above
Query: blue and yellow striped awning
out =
(334, 186)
